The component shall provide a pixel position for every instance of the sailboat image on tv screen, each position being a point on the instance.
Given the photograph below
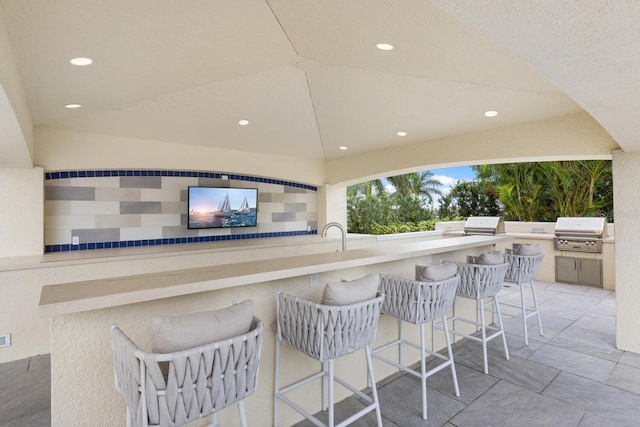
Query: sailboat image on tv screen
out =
(244, 207)
(224, 209)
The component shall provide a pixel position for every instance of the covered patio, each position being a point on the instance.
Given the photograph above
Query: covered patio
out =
(321, 108)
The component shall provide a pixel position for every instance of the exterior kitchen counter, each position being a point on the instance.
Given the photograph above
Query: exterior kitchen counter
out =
(75, 297)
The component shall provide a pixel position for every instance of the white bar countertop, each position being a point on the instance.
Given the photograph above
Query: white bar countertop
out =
(74, 297)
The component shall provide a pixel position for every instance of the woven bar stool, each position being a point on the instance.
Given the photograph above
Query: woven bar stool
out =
(524, 264)
(480, 282)
(419, 302)
(177, 387)
(326, 332)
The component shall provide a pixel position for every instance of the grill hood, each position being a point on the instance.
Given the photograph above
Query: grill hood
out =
(588, 227)
(487, 225)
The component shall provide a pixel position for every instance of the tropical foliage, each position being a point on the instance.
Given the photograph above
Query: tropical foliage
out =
(539, 191)
(544, 191)
(405, 200)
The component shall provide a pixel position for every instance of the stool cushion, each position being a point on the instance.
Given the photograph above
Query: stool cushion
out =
(436, 273)
(490, 258)
(351, 292)
(176, 333)
(529, 249)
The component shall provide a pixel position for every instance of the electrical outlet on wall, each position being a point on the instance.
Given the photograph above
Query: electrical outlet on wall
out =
(75, 240)
(5, 340)
(313, 280)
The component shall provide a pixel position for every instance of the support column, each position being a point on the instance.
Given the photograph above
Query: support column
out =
(626, 175)
(332, 206)
(22, 223)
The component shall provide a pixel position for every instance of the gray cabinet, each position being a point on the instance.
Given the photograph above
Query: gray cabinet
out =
(581, 271)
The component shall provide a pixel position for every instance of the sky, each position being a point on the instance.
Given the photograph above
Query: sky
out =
(449, 176)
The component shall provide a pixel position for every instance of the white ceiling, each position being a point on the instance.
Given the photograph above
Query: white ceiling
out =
(306, 73)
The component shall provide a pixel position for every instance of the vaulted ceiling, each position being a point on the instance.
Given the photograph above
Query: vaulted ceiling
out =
(308, 76)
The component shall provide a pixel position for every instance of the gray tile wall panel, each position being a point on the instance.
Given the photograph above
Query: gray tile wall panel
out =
(284, 208)
(140, 208)
(295, 207)
(283, 216)
(69, 193)
(118, 221)
(97, 235)
(277, 197)
(57, 207)
(140, 182)
(264, 197)
(173, 232)
(289, 189)
(118, 194)
(244, 230)
(174, 207)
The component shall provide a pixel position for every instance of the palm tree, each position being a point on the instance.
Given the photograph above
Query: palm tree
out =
(367, 189)
(421, 185)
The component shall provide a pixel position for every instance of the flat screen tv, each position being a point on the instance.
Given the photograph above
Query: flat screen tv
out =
(222, 207)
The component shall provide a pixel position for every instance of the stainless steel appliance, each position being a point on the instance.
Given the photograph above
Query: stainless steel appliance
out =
(585, 235)
(578, 234)
(484, 225)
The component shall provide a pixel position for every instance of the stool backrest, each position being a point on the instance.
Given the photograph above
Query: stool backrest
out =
(416, 301)
(481, 280)
(522, 268)
(326, 332)
(200, 380)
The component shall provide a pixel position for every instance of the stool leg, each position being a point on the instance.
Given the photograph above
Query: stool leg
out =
(535, 305)
(374, 388)
(433, 333)
(524, 314)
(243, 417)
(401, 335)
(423, 371)
(326, 386)
(450, 352)
(504, 337)
(484, 336)
(330, 380)
(276, 382)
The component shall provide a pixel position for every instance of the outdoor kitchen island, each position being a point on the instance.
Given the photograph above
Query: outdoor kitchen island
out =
(83, 392)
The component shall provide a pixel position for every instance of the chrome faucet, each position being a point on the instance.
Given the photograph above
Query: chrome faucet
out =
(342, 230)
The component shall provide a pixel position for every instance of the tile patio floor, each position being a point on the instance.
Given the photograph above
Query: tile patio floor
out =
(572, 376)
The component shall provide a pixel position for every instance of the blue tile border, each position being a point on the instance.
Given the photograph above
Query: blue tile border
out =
(171, 241)
(176, 173)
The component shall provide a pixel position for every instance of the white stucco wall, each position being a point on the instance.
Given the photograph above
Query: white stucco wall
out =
(16, 127)
(570, 137)
(62, 150)
(22, 212)
(626, 175)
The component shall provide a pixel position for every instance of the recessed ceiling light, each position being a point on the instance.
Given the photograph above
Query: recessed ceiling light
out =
(72, 106)
(384, 46)
(490, 113)
(343, 148)
(243, 122)
(81, 62)
(401, 133)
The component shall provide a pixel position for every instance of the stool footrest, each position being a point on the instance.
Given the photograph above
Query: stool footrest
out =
(445, 361)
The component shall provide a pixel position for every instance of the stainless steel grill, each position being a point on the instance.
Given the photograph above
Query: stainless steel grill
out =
(577, 234)
(484, 225)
